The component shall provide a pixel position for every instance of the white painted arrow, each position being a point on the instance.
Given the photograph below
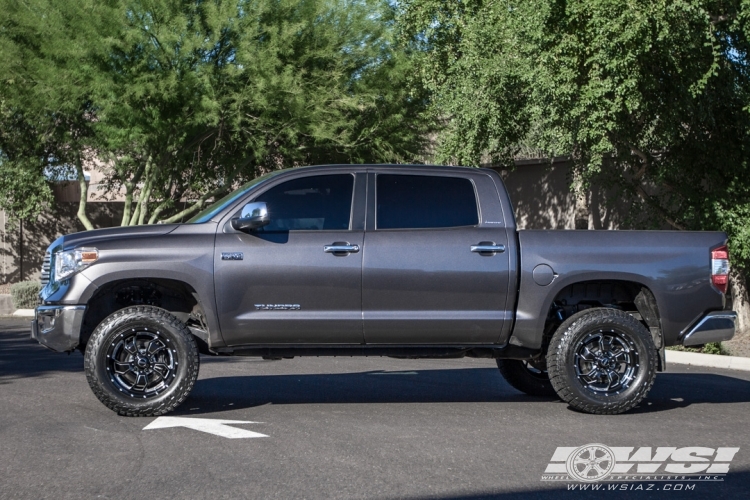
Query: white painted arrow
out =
(210, 425)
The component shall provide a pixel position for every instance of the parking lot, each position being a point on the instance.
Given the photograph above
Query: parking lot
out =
(339, 428)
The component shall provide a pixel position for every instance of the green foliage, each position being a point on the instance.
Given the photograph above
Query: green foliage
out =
(183, 100)
(650, 97)
(24, 191)
(45, 81)
(710, 348)
(25, 295)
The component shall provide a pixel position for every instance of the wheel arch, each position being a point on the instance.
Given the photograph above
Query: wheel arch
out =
(175, 296)
(537, 319)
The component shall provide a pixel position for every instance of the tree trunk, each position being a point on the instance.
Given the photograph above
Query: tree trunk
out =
(84, 196)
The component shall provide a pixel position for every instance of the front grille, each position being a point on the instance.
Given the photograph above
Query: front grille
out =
(46, 266)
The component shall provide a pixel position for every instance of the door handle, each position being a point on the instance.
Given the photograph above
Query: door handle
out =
(487, 247)
(341, 248)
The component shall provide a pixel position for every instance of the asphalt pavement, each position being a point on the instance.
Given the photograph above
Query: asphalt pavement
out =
(371, 428)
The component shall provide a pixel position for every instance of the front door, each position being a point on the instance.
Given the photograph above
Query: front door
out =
(432, 273)
(300, 277)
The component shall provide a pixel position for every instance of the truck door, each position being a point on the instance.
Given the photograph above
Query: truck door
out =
(433, 271)
(300, 277)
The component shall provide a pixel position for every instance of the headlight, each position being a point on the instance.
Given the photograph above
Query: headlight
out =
(70, 262)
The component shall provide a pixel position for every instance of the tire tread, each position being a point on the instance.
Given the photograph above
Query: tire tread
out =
(183, 386)
(561, 343)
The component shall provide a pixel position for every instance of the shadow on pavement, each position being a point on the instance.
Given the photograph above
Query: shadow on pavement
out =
(424, 386)
(21, 357)
(671, 390)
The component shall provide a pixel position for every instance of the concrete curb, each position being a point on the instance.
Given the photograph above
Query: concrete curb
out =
(708, 360)
(25, 313)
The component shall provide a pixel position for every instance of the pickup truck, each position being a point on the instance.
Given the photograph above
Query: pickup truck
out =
(407, 261)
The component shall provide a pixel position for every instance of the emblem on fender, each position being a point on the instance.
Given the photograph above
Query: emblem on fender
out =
(277, 307)
(232, 256)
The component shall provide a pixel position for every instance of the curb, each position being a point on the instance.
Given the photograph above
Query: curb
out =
(24, 313)
(708, 360)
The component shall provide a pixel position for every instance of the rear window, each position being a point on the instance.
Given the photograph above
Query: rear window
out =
(425, 201)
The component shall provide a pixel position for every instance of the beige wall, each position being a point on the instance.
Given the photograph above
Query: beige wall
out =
(36, 236)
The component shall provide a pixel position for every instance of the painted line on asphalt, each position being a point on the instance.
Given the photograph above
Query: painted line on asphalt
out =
(707, 360)
(215, 426)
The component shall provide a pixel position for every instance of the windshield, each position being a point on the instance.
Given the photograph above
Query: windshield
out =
(209, 212)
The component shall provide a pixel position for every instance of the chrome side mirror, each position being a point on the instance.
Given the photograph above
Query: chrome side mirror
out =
(253, 216)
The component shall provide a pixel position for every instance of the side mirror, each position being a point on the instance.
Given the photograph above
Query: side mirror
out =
(253, 216)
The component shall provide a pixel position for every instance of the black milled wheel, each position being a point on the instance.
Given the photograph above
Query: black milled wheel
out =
(602, 361)
(526, 377)
(141, 361)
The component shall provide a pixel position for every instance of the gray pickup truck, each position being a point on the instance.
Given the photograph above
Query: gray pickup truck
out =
(380, 260)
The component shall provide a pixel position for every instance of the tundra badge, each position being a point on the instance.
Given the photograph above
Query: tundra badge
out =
(231, 256)
(277, 307)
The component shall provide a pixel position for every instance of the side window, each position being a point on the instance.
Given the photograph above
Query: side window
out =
(423, 201)
(310, 203)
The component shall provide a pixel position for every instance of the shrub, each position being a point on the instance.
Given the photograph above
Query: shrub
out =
(25, 294)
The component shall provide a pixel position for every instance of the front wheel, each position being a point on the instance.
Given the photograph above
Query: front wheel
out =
(602, 361)
(141, 361)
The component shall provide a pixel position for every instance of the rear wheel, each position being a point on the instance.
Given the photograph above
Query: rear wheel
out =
(141, 361)
(527, 377)
(602, 361)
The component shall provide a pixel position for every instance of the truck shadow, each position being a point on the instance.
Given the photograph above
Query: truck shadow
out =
(670, 391)
(22, 357)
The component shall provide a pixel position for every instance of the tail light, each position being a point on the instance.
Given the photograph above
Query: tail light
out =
(720, 268)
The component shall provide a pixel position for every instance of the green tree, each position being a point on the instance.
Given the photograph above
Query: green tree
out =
(651, 97)
(203, 96)
(180, 101)
(45, 109)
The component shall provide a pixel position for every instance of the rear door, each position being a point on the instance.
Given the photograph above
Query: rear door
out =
(291, 286)
(434, 272)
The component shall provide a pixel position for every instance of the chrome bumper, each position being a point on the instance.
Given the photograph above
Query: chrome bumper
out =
(713, 327)
(58, 327)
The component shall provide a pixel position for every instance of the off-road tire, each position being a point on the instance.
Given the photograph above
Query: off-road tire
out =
(518, 375)
(170, 332)
(570, 337)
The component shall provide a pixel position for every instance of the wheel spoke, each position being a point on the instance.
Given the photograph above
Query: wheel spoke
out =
(614, 376)
(154, 346)
(121, 367)
(598, 469)
(161, 369)
(141, 381)
(587, 354)
(609, 379)
(131, 347)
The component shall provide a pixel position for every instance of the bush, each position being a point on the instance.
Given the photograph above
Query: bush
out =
(25, 295)
(710, 348)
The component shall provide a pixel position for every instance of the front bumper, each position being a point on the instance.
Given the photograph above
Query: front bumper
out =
(58, 327)
(713, 327)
